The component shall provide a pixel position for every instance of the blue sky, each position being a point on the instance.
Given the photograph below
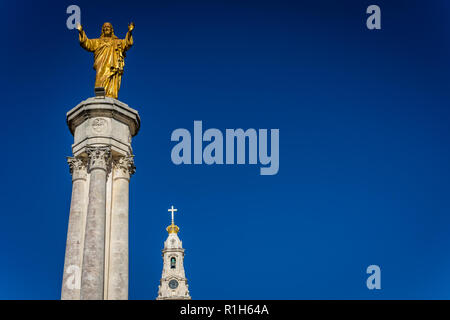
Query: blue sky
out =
(364, 124)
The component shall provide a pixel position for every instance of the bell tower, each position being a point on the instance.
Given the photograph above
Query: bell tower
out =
(173, 284)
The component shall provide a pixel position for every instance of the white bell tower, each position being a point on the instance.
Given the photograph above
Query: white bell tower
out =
(173, 284)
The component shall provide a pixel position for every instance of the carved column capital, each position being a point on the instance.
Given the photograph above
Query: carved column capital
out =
(124, 167)
(99, 158)
(78, 167)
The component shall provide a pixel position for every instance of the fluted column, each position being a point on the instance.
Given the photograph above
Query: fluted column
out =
(92, 279)
(123, 168)
(75, 232)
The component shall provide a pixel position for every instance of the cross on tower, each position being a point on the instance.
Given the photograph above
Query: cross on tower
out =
(172, 210)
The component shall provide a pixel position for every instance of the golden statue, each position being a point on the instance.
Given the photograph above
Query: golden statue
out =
(109, 54)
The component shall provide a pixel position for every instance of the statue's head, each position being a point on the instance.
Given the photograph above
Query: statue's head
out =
(107, 30)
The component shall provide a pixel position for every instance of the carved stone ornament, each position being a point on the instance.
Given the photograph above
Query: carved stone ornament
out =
(78, 167)
(124, 166)
(99, 158)
(99, 125)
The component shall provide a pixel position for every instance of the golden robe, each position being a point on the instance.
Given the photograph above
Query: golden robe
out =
(109, 55)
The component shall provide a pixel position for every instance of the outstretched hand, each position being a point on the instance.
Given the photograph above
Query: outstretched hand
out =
(79, 27)
(131, 26)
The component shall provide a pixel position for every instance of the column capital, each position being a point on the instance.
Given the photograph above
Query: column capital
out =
(99, 158)
(78, 167)
(124, 167)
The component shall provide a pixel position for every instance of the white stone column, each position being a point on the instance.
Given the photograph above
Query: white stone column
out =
(123, 168)
(102, 129)
(75, 232)
(92, 278)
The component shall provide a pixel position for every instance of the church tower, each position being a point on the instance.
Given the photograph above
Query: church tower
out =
(173, 284)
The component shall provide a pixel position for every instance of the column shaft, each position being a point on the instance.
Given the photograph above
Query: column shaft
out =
(118, 270)
(74, 250)
(92, 279)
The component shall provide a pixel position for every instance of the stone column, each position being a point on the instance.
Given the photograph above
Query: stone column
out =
(123, 168)
(94, 242)
(74, 246)
(102, 129)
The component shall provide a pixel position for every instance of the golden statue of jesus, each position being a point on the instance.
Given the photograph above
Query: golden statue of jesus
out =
(109, 54)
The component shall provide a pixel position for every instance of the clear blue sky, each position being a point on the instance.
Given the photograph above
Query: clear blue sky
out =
(364, 125)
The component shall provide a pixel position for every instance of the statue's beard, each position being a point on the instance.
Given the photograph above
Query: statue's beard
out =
(109, 35)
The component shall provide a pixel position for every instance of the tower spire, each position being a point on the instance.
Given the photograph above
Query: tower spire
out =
(172, 228)
(172, 210)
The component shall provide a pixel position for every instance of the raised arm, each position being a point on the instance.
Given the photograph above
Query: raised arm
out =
(85, 43)
(128, 41)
